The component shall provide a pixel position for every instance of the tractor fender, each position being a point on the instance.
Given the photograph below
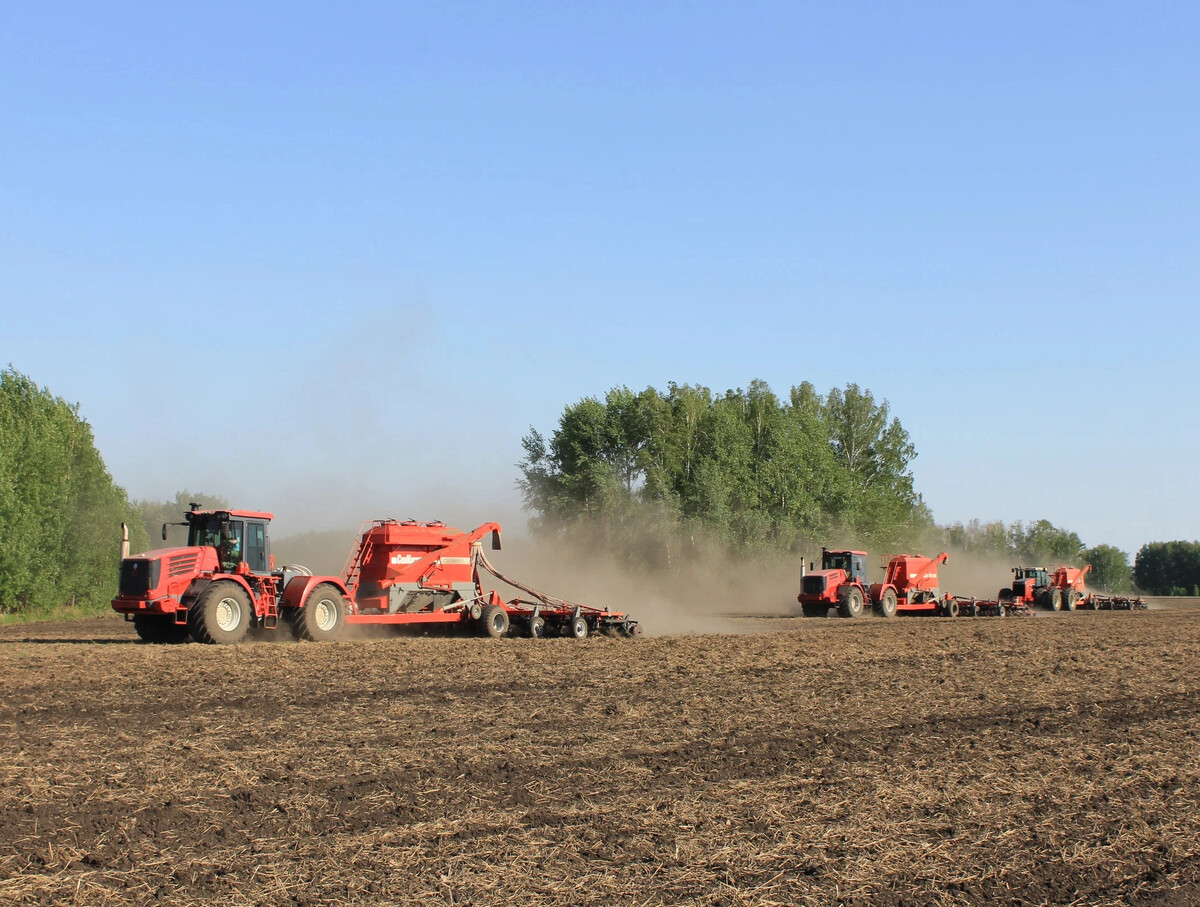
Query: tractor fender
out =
(297, 589)
(192, 592)
(200, 583)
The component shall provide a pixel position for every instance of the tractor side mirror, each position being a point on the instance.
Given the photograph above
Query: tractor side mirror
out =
(495, 539)
(164, 532)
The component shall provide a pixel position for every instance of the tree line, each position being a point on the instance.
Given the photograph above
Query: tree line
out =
(60, 510)
(1168, 568)
(648, 474)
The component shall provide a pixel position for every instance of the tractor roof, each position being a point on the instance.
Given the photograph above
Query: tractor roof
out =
(235, 514)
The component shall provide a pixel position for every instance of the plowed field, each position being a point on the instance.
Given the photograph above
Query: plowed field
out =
(912, 761)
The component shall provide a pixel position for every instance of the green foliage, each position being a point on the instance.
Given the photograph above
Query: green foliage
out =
(156, 514)
(1039, 544)
(646, 474)
(60, 512)
(1167, 568)
(1110, 569)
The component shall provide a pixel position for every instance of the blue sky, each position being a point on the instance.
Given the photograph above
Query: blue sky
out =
(334, 261)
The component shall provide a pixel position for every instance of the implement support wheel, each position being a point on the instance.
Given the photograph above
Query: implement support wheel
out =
(494, 621)
(322, 617)
(887, 604)
(576, 628)
(950, 608)
(537, 627)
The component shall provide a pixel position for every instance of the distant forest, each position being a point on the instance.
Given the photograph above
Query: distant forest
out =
(655, 477)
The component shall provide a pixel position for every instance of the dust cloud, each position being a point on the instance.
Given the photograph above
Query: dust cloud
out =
(711, 591)
(709, 595)
(324, 553)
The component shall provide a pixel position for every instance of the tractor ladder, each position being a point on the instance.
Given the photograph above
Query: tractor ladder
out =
(352, 569)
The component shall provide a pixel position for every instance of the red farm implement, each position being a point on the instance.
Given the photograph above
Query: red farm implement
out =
(404, 574)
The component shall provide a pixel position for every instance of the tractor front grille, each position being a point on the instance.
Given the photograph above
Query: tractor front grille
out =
(139, 575)
(813, 585)
(182, 564)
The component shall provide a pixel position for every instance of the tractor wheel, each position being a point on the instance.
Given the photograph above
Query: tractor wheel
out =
(1054, 600)
(851, 602)
(152, 628)
(818, 610)
(537, 627)
(1006, 596)
(576, 628)
(887, 604)
(322, 617)
(950, 608)
(222, 614)
(1069, 599)
(494, 621)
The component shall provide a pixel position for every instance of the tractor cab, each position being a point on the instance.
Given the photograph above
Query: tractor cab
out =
(239, 536)
(853, 563)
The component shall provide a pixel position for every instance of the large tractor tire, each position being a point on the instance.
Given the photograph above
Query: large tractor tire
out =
(887, 604)
(221, 615)
(159, 629)
(851, 602)
(1069, 599)
(950, 608)
(1007, 596)
(820, 609)
(322, 617)
(493, 621)
(1054, 599)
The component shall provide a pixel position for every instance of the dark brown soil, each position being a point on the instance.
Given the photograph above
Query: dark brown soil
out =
(1051, 760)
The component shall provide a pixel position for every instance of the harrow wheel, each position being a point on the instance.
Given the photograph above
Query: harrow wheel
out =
(537, 627)
(632, 629)
(576, 628)
(494, 621)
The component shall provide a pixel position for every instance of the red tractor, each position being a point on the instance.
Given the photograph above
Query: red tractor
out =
(223, 583)
(1030, 586)
(841, 582)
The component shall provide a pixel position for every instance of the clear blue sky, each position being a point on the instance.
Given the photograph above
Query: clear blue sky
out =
(335, 260)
